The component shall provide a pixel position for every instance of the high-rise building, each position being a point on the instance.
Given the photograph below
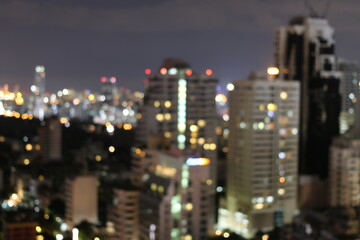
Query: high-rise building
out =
(125, 214)
(176, 197)
(350, 90)
(81, 200)
(50, 138)
(37, 105)
(262, 168)
(344, 173)
(305, 51)
(108, 90)
(182, 103)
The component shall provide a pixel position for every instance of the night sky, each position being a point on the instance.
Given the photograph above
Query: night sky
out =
(79, 41)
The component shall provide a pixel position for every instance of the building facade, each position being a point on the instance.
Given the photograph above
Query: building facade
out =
(262, 169)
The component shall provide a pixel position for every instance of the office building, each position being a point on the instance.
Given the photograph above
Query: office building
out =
(262, 168)
(344, 173)
(175, 198)
(305, 51)
(81, 200)
(182, 103)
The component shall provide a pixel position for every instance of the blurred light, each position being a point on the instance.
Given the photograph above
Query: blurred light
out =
(65, 91)
(209, 72)
(163, 71)
(265, 237)
(148, 71)
(172, 71)
(282, 179)
(197, 161)
(98, 158)
(219, 189)
(272, 107)
(28, 147)
(230, 87)
(110, 128)
(226, 235)
(76, 101)
(38, 229)
(273, 71)
(103, 79)
(281, 191)
(188, 72)
(283, 95)
(167, 104)
(111, 149)
(113, 79)
(26, 161)
(59, 236)
(75, 234)
(218, 232)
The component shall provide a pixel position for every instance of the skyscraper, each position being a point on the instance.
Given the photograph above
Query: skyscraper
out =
(263, 155)
(179, 107)
(305, 51)
(38, 93)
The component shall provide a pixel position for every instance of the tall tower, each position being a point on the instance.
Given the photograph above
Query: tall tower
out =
(38, 93)
(263, 154)
(305, 51)
(179, 107)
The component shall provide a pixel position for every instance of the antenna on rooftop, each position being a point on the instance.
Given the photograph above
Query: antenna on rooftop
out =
(309, 5)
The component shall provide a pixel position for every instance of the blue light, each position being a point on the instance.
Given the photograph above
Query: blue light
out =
(197, 161)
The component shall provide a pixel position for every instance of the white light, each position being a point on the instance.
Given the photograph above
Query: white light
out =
(63, 227)
(230, 87)
(59, 237)
(351, 95)
(75, 234)
(33, 88)
(110, 128)
(269, 199)
(125, 112)
(65, 91)
(172, 71)
(282, 155)
(219, 189)
(242, 125)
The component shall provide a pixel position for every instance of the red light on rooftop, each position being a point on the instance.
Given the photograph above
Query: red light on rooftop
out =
(188, 72)
(148, 71)
(209, 72)
(163, 70)
(113, 79)
(103, 79)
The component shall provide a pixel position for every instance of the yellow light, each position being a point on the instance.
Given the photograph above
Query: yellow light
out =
(64, 120)
(259, 206)
(98, 158)
(167, 104)
(31, 117)
(273, 71)
(76, 101)
(37, 147)
(111, 149)
(160, 117)
(41, 178)
(96, 238)
(212, 146)
(226, 235)
(261, 107)
(189, 207)
(201, 141)
(194, 128)
(265, 237)
(17, 115)
(26, 161)
(127, 126)
(193, 140)
(281, 191)
(91, 97)
(46, 216)
(156, 104)
(167, 116)
(138, 116)
(167, 134)
(201, 123)
(272, 107)
(283, 95)
(2, 139)
(218, 232)
(28, 147)
(38, 229)
(39, 237)
(209, 182)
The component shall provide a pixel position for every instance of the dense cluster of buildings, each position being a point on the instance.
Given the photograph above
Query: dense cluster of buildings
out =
(291, 137)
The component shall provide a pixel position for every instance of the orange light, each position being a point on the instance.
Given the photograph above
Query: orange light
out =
(163, 70)
(188, 72)
(209, 72)
(148, 71)
(282, 179)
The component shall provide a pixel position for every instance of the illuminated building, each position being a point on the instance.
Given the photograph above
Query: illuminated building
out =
(350, 89)
(305, 51)
(182, 103)
(19, 230)
(125, 214)
(344, 178)
(37, 105)
(263, 155)
(175, 199)
(108, 90)
(81, 200)
(50, 139)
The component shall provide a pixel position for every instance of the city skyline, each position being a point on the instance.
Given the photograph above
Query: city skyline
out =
(125, 39)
